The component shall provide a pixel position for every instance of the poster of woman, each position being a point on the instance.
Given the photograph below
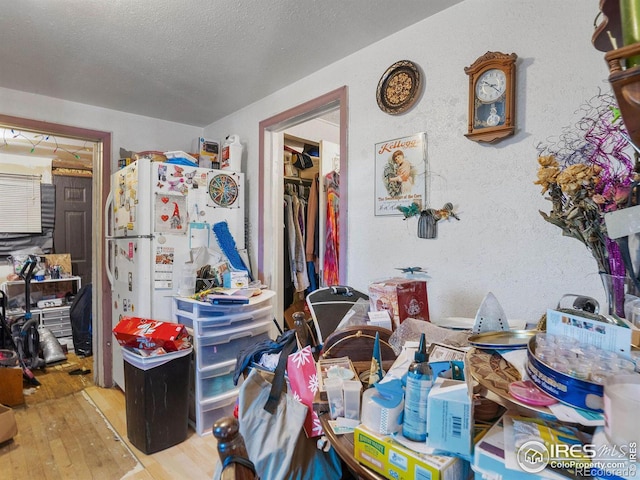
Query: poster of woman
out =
(400, 169)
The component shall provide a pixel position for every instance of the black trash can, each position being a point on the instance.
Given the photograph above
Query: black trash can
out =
(157, 399)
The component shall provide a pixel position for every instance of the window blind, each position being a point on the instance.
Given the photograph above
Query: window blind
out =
(21, 205)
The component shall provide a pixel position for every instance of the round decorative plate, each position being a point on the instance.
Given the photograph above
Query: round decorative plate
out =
(223, 190)
(495, 374)
(399, 88)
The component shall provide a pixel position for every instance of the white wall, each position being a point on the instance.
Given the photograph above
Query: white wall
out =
(501, 243)
(12, 163)
(132, 132)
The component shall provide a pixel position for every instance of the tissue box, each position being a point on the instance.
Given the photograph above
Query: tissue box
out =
(395, 461)
(235, 279)
(402, 298)
(148, 334)
(8, 426)
(450, 417)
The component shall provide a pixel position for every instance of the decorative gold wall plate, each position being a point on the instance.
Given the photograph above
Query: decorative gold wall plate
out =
(399, 88)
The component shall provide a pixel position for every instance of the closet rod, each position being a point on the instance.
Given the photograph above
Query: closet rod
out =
(298, 180)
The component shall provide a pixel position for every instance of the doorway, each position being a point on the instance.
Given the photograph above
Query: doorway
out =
(74, 229)
(102, 339)
(271, 185)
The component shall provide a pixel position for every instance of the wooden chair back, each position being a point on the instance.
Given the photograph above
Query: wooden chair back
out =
(232, 451)
(356, 342)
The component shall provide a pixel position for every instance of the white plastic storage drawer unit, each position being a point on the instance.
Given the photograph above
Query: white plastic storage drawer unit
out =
(206, 327)
(204, 414)
(186, 310)
(215, 381)
(224, 345)
(57, 320)
(220, 332)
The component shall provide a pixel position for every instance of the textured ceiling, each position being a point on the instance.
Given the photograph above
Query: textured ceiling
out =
(192, 61)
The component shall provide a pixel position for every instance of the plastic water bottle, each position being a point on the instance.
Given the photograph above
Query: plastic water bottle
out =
(419, 382)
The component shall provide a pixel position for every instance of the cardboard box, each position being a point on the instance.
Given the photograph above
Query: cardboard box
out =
(148, 334)
(401, 297)
(489, 459)
(577, 392)
(311, 172)
(124, 162)
(450, 417)
(11, 393)
(394, 461)
(208, 151)
(8, 426)
(61, 259)
(635, 332)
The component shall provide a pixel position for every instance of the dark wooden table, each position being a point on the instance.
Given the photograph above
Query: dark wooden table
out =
(343, 445)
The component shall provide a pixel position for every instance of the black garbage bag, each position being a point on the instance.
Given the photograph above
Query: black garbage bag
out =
(80, 314)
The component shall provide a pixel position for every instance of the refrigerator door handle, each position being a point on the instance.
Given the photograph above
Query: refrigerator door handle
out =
(108, 237)
(107, 251)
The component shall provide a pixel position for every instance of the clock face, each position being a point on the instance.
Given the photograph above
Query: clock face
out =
(491, 85)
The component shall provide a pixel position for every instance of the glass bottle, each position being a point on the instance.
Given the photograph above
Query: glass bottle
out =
(300, 325)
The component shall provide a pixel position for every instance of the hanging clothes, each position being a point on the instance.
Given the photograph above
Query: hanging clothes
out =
(312, 237)
(289, 230)
(294, 231)
(332, 235)
(300, 263)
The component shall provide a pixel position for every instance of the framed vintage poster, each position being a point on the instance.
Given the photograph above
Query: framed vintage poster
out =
(401, 166)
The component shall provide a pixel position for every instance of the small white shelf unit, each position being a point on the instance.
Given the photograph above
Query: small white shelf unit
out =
(56, 319)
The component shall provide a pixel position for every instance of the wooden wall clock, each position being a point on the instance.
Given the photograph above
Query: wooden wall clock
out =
(492, 97)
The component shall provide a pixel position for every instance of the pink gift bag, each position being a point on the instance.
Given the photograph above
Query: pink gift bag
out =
(303, 380)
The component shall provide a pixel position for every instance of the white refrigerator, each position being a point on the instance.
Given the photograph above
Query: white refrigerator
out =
(156, 214)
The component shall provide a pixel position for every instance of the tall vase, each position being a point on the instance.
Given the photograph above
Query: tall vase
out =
(615, 288)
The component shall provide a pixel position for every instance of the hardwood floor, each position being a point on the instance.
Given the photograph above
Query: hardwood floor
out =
(78, 447)
(195, 458)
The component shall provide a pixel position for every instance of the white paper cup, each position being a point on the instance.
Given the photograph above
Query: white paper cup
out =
(621, 407)
(351, 389)
(333, 387)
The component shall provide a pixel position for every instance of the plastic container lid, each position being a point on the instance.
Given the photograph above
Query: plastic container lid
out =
(527, 392)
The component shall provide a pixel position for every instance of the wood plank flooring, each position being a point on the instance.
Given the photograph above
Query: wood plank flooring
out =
(195, 458)
(61, 436)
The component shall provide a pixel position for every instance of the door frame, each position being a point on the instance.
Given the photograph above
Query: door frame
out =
(101, 301)
(270, 187)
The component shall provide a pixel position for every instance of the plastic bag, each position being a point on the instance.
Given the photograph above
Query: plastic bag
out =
(19, 257)
(357, 314)
(51, 348)
(410, 330)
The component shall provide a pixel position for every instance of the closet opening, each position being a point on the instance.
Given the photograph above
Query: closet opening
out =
(313, 135)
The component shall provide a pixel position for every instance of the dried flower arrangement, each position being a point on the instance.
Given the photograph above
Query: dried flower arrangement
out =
(586, 173)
